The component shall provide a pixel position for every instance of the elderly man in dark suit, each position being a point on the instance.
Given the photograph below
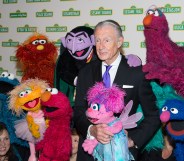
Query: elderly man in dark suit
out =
(108, 40)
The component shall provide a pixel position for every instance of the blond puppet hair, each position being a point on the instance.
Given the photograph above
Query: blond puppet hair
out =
(14, 94)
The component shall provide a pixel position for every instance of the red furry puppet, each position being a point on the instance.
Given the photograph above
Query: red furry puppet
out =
(37, 56)
(57, 144)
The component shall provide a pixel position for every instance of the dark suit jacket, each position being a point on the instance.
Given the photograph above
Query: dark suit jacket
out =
(141, 93)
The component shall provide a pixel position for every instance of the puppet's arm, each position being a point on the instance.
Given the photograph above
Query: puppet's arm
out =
(89, 145)
(133, 60)
(116, 127)
(33, 127)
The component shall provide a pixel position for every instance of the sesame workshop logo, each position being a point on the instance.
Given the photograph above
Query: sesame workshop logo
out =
(56, 28)
(18, 14)
(169, 9)
(3, 29)
(180, 43)
(26, 28)
(3, 70)
(9, 1)
(67, 0)
(101, 12)
(57, 43)
(126, 44)
(179, 27)
(32, 1)
(19, 73)
(71, 12)
(10, 43)
(13, 58)
(133, 11)
(44, 13)
(87, 25)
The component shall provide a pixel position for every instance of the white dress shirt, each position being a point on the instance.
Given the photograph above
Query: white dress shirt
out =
(113, 69)
(112, 73)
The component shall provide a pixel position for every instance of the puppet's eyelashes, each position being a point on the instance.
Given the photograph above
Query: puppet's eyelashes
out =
(52, 90)
(8, 75)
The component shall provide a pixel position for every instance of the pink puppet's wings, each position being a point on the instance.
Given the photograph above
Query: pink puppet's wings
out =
(129, 121)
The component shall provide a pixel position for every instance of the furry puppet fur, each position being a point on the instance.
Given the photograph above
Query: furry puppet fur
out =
(56, 145)
(103, 103)
(76, 50)
(7, 83)
(164, 58)
(26, 97)
(37, 56)
(172, 113)
(162, 93)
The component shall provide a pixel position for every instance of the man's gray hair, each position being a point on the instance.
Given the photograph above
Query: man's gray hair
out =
(112, 23)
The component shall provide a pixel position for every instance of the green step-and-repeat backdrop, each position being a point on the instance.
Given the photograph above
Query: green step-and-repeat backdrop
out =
(54, 18)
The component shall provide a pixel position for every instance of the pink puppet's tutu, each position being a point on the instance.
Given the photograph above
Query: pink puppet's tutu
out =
(22, 130)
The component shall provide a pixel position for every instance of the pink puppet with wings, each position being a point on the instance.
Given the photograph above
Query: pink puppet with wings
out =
(103, 103)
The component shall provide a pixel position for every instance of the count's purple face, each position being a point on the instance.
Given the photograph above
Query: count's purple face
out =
(79, 44)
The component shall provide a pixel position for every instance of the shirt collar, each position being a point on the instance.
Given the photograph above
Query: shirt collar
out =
(116, 62)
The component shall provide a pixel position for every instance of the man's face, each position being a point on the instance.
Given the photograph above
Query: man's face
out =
(4, 142)
(107, 43)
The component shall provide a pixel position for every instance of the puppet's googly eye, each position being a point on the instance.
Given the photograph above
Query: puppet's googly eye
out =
(156, 13)
(4, 74)
(35, 42)
(49, 89)
(54, 91)
(27, 91)
(164, 108)
(150, 12)
(21, 94)
(42, 41)
(174, 110)
(95, 106)
(11, 76)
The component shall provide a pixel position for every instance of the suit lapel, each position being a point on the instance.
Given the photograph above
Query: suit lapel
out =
(97, 72)
(120, 77)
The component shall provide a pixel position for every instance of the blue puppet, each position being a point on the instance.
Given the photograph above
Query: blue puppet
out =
(172, 113)
(162, 93)
(7, 83)
(77, 49)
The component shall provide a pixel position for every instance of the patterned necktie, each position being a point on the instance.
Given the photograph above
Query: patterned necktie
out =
(106, 77)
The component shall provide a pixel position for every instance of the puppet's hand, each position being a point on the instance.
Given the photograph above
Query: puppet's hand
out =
(133, 60)
(89, 145)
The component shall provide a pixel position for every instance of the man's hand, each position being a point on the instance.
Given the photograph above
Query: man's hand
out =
(130, 141)
(101, 133)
